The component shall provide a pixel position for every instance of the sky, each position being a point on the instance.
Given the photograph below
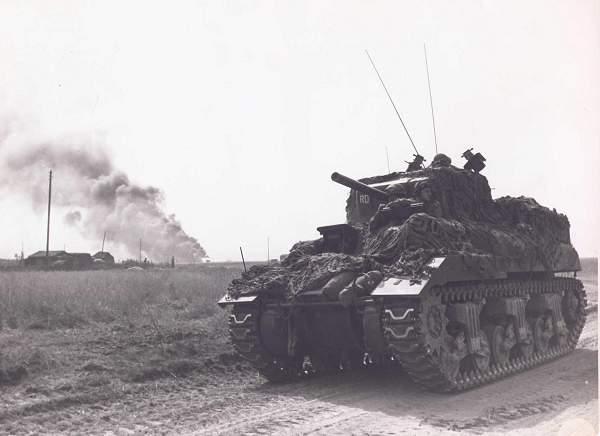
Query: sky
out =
(239, 111)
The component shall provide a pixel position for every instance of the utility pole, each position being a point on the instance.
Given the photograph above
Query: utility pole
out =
(268, 250)
(48, 227)
(243, 260)
(140, 250)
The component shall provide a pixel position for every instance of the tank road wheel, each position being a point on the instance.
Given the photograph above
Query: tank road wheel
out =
(438, 340)
(525, 348)
(501, 339)
(570, 307)
(449, 349)
(542, 332)
(452, 353)
(481, 358)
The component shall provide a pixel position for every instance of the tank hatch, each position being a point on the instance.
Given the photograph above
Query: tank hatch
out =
(339, 238)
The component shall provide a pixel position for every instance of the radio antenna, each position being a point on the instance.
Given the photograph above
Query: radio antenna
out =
(388, 159)
(430, 99)
(392, 101)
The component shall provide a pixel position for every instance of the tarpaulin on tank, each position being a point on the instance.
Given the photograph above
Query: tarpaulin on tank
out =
(456, 215)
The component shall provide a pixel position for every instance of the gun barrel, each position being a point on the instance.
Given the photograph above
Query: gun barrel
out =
(359, 186)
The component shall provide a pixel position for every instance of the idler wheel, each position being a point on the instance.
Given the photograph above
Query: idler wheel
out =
(501, 340)
(542, 332)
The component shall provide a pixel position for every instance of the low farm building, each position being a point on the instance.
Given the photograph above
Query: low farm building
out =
(104, 258)
(81, 260)
(59, 260)
(39, 259)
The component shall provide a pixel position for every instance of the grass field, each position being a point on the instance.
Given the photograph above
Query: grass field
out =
(135, 325)
(61, 299)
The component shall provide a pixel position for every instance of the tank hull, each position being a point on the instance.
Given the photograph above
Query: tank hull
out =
(448, 337)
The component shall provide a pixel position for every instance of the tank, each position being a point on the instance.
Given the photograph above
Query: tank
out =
(429, 275)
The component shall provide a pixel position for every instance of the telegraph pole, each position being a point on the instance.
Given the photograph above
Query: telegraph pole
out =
(48, 227)
(243, 260)
(140, 250)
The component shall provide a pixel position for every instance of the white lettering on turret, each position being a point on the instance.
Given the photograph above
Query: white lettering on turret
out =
(363, 199)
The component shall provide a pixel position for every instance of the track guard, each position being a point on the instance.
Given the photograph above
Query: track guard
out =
(227, 300)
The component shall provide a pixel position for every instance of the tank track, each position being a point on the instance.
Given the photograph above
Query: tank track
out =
(245, 337)
(404, 330)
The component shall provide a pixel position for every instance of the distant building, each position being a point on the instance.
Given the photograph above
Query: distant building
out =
(103, 258)
(55, 258)
(59, 260)
(80, 260)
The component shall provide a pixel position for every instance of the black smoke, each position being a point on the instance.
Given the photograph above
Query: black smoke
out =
(99, 197)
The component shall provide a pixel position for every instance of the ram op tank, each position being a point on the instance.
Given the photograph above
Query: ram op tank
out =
(429, 273)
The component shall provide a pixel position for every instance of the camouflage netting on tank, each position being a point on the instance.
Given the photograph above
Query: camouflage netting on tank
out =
(457, 215)
(311, 271)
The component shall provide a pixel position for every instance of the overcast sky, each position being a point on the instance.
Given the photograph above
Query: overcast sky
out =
(240, 111)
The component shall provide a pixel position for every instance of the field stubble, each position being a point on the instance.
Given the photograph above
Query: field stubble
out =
(79, 337)
(120, 352)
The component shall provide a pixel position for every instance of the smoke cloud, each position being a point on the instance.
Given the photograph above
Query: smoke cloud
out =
(100, 197)
(73, 218)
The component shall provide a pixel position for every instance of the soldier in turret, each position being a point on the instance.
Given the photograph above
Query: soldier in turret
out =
(416, 164)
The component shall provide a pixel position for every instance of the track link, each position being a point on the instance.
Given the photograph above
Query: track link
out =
(403, 328)
(245, 337)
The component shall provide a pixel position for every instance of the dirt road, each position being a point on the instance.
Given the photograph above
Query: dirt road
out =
(227, 397)
(557, 398)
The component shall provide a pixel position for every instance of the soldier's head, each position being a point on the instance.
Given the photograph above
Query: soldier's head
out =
(396, 191)
(418, 160)
(440, 161)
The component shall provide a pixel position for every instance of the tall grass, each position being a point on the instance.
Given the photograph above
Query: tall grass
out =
(67, 299)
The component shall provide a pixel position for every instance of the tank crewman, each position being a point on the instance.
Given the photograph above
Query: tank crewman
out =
(416, 164)
(396, 190)
(475, 162)
(441, 161)
(396, 211)
(360, 287)
(430, 205)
